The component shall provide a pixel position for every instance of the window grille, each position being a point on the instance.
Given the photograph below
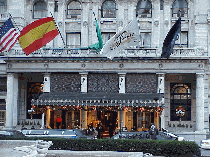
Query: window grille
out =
(74, 10)
(180, 8)
(39, 9)
(144, 9)
(2, 117)
(108, 9)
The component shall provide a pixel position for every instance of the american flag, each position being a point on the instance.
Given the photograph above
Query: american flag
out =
(8, 36)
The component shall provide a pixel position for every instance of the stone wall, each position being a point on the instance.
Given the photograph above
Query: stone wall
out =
(65, 83)
(141, 83)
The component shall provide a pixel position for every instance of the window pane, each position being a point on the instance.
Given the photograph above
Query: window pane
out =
(109, 9)
(107, 36)
(74, 10)
(73, 40)
(182, 40)
(144, 9)
(145, 40)
(40, 9)
(179, 8)
(3, 6)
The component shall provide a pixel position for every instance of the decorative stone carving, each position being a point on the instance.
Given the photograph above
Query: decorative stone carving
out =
(145, 25)
(60, 24)
(141, 83)
(97, 82)
(83, 65)
(166, 22)
(160, 65)
(156, 23)
(120, 24)
(63, 83)
(121, 65)
(85, 23)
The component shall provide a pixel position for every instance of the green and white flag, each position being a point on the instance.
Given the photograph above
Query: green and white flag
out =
(128, 36)
(97, 46)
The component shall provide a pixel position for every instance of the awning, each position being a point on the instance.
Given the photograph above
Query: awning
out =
(98, 99)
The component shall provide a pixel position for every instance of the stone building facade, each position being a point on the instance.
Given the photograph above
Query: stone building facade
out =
(138, 76)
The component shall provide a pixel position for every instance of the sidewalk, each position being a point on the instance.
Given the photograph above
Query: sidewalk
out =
(67, 153)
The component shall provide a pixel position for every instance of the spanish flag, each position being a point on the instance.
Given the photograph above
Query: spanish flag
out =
(37, 34)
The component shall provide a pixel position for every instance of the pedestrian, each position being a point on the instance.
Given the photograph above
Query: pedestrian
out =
(58, 121)
(153, 132)
(111, 129)
(100, 130)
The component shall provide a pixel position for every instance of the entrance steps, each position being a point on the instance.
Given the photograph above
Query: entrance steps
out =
(106, 134)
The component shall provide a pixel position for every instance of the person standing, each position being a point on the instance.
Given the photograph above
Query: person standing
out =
(58, 121)
(111, 129)
(100, 130)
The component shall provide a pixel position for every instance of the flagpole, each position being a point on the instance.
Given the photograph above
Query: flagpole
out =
(58, 30)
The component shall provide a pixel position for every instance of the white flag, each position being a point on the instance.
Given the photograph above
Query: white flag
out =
(128, 36)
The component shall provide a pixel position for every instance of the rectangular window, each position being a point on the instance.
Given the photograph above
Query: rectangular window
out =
(145, 39)
(56, 6)
(182, 40)
(161, 4)
(2, 117)
(3, 6)
(106, 36)
(3, 84)
(73, 40)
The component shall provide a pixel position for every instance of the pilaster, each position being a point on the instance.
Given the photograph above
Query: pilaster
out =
(200, 102)
(9, 101)
(122, 82)
(84, 82)
(15, 99)
(46, 86)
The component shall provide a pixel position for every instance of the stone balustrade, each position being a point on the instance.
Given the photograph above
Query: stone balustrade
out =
(131, 52)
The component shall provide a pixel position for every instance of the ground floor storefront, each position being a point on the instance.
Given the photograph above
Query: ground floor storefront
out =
(125, 118)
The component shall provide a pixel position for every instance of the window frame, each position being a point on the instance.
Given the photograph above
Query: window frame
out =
(114, 10)
(183, 98)
(69, 16)
(3, 7)
(72, 33)
(181, 45)
(175, 13)
(140, 13)
(40, 10)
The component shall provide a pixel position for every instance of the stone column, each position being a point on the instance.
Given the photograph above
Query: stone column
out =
(15, 101)
(42, 121)
(46, 86)
(48, 117)
(161, 90)
(122, 82)
(83, 90)
(199, 102)
(9, 101)
(84, 118)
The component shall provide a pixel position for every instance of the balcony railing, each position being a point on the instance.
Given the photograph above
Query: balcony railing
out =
(134, 52)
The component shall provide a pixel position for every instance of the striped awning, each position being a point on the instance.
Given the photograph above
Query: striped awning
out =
(88, 99)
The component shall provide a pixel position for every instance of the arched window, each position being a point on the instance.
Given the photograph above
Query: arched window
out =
(180, 8)
(144, 9)
(108, 9)
(180, 98)
(3, 6)
(74, 10)
(39, 9)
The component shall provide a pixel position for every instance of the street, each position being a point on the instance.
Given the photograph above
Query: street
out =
(205, 152)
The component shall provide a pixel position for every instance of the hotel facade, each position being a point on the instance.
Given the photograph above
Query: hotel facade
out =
(134, 89)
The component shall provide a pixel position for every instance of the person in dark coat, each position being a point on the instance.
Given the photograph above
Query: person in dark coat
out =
(111, 129)
(100, 130)
(153, 131)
